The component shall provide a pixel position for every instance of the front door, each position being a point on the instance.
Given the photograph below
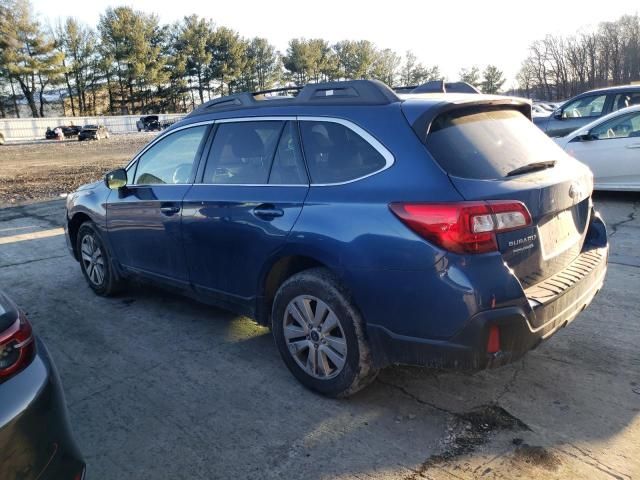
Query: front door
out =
(613, 153)
(576, 114)
(144, 218)
(251, 193)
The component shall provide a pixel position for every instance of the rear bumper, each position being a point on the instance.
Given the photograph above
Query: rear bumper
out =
(522, 328)
(35, 437)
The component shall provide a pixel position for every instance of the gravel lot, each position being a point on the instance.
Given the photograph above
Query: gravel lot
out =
(161, 387)
(46, 169)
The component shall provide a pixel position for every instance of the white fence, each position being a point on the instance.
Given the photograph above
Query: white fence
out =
(35, 128)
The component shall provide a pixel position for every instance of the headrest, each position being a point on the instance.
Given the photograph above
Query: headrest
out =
(247, 144)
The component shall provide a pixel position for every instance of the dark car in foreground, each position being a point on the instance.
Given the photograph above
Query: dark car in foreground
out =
(93, 132)
(364, 227)
(35, 437)
(587, 107)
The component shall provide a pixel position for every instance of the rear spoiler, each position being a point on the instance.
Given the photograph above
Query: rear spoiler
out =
(422, 118)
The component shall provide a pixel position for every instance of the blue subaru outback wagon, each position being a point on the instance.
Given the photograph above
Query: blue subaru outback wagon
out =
(365, 228)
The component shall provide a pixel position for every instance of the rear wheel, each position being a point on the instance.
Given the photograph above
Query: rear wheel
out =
(320, 336)
(95, 261)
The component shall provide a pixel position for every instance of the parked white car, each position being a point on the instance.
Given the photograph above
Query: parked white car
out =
(610, 146)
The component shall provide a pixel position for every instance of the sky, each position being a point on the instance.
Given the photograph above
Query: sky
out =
(450, 34)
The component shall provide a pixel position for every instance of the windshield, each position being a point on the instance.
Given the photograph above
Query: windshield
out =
(488, 144)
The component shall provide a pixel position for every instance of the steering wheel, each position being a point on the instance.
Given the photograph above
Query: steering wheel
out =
(181, 174)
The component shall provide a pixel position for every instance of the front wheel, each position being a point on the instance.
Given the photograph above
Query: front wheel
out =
(320, 334)
(95, 261)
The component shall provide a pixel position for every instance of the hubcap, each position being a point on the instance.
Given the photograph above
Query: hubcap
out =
(92, 259)
(315, 337)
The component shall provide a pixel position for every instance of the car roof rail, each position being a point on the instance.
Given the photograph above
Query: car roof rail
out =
(438, 86)
(351, 92)
(277, 90)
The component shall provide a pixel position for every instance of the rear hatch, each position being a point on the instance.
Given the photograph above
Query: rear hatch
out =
(494, 152)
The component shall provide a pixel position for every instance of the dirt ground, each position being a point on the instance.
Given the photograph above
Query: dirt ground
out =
(41, 170)
(161, 387)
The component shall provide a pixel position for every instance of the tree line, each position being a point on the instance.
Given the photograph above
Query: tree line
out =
(131, 63)
(559, 67)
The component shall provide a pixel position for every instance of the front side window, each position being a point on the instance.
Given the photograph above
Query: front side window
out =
(170, 160)
(622, 127)
(335, 153)
(585, 107)
(242, 152)
(624, 100)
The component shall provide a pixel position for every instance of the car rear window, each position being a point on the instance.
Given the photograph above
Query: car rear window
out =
(488, 144)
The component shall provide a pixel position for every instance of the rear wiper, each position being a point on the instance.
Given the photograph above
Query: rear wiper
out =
(532, 167)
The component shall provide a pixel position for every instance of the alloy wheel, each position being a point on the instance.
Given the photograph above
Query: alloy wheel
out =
(315, 337)
(92, 259)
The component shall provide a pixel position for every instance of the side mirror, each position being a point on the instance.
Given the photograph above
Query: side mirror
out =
(557, 114)
(116, 179)
(584, 137)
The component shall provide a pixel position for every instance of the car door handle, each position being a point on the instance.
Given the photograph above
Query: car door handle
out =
(634, 145)
(169, 209)
(267, 211)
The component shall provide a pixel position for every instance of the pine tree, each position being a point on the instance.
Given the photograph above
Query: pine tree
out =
(471, 75)
(27, 55)
(492, 79)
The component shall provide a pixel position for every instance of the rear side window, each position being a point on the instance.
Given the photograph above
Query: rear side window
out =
(335, 153)
(488, 144)
(624, 100)
(242, 152)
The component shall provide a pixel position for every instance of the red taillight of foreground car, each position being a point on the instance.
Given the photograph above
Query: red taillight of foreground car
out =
(16, 348)
(463, 227)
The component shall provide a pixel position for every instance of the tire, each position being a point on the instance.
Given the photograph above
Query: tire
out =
(96, 262)
(317, 359)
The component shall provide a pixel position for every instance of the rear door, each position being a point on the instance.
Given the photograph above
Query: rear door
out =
(250, 193)
(483, 150)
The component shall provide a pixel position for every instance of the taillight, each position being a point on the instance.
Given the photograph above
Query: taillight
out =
(16, 348)
(493, 341)
(463, 227)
